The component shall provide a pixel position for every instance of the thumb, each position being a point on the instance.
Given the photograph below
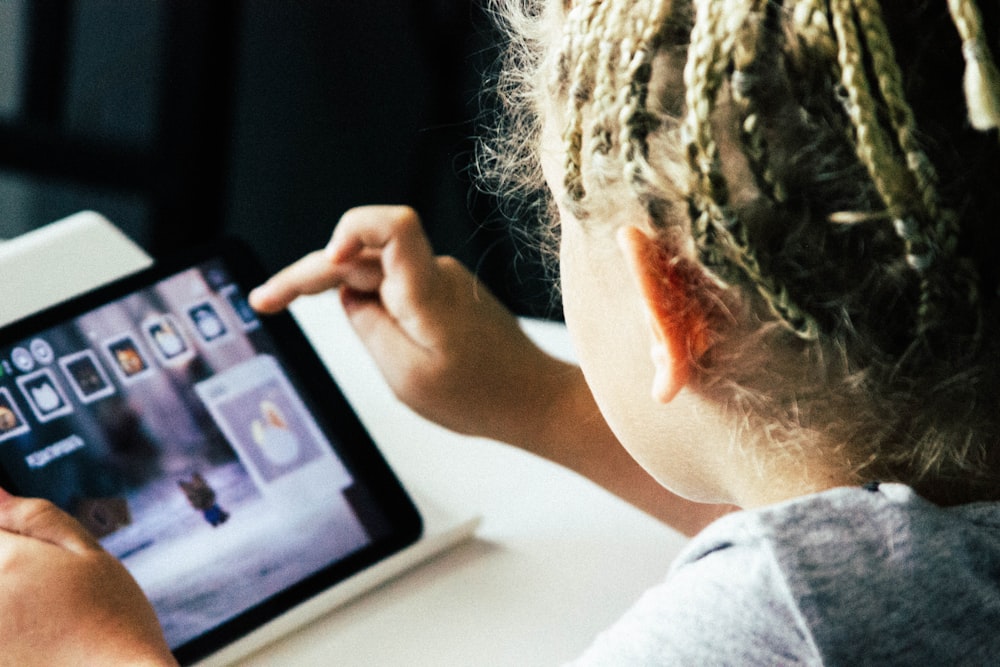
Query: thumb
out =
(41, 520)
(390, 345)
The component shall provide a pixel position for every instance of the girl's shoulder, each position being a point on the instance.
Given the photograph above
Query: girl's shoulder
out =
(856, 519)
(850, 564)
(816, 580)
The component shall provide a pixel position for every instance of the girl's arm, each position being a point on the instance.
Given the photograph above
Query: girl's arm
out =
(455, 355)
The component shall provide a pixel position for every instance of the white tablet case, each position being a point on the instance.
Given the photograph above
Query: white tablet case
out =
(70, 256)
(61, 260)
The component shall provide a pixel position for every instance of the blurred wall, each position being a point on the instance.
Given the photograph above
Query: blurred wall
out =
(321, 106)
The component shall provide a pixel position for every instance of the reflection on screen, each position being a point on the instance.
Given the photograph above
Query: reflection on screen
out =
(167, 425)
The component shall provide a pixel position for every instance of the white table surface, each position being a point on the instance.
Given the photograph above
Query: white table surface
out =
(555, 560)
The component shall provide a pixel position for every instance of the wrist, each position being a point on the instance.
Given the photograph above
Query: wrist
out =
(154, 662)
(557, 408)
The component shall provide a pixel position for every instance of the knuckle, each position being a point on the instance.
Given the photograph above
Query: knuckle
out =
(449, 264)
(453, 272)
(414, 384)
(37, 509)
(37, 512)
(404, 220)
(405, 214)
(408, 385)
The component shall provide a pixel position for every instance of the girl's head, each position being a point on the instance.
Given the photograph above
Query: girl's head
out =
(820, 180)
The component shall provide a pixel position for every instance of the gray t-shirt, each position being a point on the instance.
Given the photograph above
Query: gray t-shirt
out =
(849, 576)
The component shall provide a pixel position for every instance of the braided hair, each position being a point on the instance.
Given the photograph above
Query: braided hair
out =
(832, 165)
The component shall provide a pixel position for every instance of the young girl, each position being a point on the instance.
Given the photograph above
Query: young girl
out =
(776, 240)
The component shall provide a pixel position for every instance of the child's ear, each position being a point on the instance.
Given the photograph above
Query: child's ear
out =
(677, 323)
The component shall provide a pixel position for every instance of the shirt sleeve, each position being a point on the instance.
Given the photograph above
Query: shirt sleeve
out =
(726, 607)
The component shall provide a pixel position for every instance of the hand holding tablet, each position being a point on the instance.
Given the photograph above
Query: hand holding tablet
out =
(77, 590)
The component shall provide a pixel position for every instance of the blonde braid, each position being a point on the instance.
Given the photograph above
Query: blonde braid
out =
(981, 80)
(872, 143)
(604, 80)
(702, 78)
(930, 236)
(720, 236)
(924, 245)
(578, 42)
(889, 79)
(634, 120)
(746, 74)
(810, 20)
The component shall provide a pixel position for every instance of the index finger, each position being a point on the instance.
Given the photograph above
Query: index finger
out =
(312, 274)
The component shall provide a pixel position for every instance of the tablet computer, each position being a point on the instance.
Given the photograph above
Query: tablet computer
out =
(205, 446)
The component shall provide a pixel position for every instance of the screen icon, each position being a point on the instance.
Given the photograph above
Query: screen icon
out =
(127, 358)
(41, 351)
(22, 359)
(207, 321)
(166, 340)
(240, 306)
(11, 420)
(86, 376)
(44, 395)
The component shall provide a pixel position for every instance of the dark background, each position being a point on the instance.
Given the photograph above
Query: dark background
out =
(181, 120)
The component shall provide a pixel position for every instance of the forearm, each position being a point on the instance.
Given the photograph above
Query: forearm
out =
(560, 421)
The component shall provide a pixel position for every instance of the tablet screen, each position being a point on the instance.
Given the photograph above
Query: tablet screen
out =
(203, 445)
